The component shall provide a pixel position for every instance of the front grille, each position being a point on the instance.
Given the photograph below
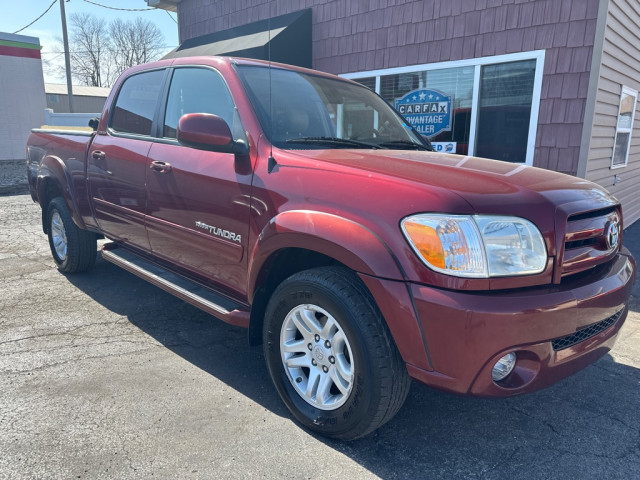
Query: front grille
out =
(592, 214)
(580, 243)
(585, 241)
(585, 333)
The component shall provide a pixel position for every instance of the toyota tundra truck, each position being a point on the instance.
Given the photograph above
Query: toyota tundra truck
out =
(304, 208)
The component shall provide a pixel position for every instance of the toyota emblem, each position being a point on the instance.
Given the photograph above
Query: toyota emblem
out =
(613, 232)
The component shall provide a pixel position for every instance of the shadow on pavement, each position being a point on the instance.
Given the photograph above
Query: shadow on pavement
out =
(587, 426)
(210, 344)
(631, 240)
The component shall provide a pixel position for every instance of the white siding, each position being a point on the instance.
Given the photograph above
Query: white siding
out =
(22, 103)
(620, 66)
(81, 104)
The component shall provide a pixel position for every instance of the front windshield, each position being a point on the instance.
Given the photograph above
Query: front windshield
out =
(311, 111)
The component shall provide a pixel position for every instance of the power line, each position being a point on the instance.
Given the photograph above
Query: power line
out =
(43, 14)
(52, 52)
(167, 11)
(121, 9)
(99, 5)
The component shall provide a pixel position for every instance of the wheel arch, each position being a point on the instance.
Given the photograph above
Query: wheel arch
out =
(300, 240)
(54, 180)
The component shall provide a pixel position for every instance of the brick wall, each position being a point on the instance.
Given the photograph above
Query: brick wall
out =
(357, 35)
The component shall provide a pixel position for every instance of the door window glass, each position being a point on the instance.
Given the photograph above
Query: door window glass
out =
(137, 102)
(506, 94)
(197, 90)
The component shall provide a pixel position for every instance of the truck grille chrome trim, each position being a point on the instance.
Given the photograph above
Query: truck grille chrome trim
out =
(586, 333)
(589, 239)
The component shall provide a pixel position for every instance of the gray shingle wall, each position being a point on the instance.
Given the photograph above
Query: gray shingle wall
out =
(357, 35)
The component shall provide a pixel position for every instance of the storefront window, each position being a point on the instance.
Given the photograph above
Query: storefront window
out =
(369, 82)
(486, 104)
(504, 110)
(455, 82)
(395, 86)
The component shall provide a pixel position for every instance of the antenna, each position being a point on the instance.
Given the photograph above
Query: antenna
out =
(271, 161)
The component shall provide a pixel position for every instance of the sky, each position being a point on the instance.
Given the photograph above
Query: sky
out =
(49, 28)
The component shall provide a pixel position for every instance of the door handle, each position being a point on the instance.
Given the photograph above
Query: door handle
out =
(98, 155)
(160, 167)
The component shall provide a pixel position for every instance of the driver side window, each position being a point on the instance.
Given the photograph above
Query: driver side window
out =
(196, 90)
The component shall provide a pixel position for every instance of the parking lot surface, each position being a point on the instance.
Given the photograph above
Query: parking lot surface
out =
(103, 375)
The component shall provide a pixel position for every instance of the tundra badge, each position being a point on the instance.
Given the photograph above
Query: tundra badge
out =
(218, 232)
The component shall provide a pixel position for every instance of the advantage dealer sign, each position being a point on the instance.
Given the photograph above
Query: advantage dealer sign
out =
(429, 111)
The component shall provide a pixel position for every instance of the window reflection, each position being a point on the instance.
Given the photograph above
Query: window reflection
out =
(506, 92)
(457, 82)
(503, 114)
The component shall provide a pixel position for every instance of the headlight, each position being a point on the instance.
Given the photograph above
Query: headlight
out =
(476, 246)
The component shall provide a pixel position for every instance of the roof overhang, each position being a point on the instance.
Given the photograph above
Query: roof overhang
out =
(171, 5)
(285, 39)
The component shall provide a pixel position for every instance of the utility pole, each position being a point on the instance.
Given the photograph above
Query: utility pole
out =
(67, 60)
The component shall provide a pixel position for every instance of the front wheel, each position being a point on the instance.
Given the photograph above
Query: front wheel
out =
(331, 356)
(73, 249)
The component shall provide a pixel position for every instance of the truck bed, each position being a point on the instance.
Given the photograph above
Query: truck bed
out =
(60, 154)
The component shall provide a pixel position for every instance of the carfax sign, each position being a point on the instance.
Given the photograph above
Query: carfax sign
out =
(429, 111)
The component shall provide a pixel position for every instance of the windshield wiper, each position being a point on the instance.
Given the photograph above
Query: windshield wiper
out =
(404, 144)
(333, 141)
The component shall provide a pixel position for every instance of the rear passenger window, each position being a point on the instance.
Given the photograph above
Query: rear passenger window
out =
(136, 103)
(197, 90)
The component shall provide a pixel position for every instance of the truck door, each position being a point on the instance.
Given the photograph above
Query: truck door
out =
(198, 201)
(117, 160)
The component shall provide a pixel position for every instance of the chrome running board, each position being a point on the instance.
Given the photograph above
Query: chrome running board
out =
(197, 295)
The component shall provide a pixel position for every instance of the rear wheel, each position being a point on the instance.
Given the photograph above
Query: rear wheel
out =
(73, 249)
(331, 356)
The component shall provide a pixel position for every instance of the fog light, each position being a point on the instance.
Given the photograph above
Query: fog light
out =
(503, 367)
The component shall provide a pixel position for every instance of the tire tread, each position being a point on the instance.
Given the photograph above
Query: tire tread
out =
(81, 244)
(394, 379)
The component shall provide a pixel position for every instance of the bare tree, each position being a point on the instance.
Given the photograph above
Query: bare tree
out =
(90, 50)
(134, 42)
(100, 51)
(49, 68)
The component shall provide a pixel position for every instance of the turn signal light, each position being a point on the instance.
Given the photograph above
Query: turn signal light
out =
(427, 242)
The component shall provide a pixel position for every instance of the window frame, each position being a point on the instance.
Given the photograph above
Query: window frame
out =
(154, 120)
(477, 63)
(634, 93)
(160, 112)
(164, 102)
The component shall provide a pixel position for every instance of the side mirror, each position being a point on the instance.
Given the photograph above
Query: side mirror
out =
(208, 132)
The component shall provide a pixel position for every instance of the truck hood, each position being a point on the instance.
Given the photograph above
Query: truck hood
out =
(489, 186)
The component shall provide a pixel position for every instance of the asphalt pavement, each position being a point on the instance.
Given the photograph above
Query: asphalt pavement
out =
(13, 177)
(103, 375)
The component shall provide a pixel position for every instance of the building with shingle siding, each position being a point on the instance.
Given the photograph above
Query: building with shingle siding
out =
(548, 83)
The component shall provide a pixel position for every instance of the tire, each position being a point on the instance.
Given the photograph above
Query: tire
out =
(331, 356)
(73, 249)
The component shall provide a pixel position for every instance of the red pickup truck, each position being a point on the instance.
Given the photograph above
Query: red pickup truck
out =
(303, 207)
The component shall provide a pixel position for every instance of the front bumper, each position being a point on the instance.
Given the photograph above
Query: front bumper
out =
(466, 333)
